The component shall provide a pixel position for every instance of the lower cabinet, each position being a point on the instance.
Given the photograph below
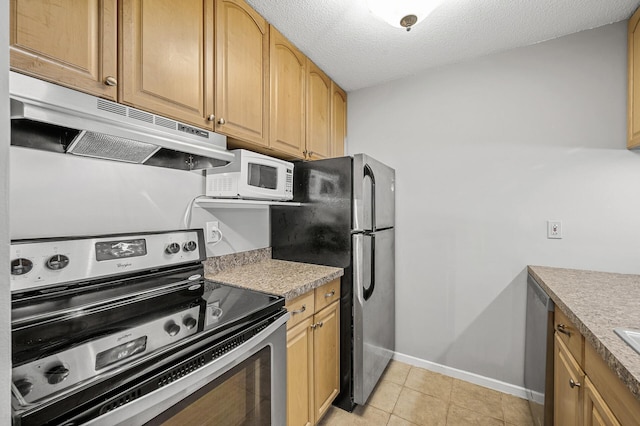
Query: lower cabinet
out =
(313, 354)
(596, 411)
(568, 378)
(586, 391)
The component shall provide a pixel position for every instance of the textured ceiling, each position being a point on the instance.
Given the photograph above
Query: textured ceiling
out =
(358, 50)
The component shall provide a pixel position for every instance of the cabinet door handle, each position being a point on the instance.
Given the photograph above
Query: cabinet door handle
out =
(330, 294)
(313, 326)
(299, 311)
(320, 324)
(211, 117)
(221, 121)
(574, 384)
(563, 329)
(111, 81)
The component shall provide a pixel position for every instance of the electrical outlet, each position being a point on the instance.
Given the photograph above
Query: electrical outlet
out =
(213, 232)
(554, 229)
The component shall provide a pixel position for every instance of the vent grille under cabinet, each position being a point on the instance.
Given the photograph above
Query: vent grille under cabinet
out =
(112, 107)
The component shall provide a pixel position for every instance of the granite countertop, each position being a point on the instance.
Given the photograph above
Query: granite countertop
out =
(598, 302)
(257, 271)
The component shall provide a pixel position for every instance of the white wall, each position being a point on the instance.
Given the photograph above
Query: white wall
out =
(5, 296)
(486, 152)
(60, 195)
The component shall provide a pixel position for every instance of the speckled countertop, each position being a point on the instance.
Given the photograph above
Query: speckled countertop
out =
(287, 279)
(598, 302)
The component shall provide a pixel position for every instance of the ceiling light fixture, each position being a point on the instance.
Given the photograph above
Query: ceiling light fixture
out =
(402, 13)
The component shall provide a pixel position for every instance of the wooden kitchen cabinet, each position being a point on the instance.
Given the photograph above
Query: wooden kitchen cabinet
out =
(300, 373)
(241, 72)
(568, 391)
(287, 112)
(338, 120)
(166, 58)
(326, 358)
(598, 396)
(596, 411)
(313, 354)
(633, 103)
(318, 123)
(67, 42)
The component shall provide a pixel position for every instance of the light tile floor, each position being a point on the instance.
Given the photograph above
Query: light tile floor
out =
(409, 396)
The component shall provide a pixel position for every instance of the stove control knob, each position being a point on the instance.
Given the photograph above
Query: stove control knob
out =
(24, 386)
(57, 374)
(173, 248)
(189, 322)
(59, 261)
(172, 328)
(190, 246)
(21, 266)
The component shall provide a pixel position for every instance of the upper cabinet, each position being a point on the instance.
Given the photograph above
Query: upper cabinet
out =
(633, 110)
(242, 72)
(318, 135)
(288, 76)
(68, 42)
(216, 64)
(166, 58)
(338, 120)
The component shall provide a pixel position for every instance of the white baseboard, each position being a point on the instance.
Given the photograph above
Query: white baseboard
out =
(464, 375)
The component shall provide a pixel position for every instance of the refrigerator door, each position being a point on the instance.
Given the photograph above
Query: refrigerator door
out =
(373, 185)
(373, 309)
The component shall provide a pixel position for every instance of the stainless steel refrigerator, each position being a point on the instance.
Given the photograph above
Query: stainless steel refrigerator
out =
(347, 220)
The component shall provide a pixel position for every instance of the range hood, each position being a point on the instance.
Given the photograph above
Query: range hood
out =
(54, 118)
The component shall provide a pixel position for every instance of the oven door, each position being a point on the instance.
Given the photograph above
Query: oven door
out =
(245, 386)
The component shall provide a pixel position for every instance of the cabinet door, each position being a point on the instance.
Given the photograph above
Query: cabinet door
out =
(596, 411)
(300, 374)
(166, 55)
(71, 43)
(338, 120)
(318, 140)
(326, 347)
(633, 107)
(288, 75)
(242, 72)
(568, 384)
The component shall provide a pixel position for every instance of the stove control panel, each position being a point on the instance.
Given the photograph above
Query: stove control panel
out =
(49, 375)
(49, 262)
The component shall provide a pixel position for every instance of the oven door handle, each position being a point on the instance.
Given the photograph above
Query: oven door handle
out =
(147, 407)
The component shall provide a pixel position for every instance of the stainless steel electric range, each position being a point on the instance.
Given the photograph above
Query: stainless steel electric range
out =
(124, 329)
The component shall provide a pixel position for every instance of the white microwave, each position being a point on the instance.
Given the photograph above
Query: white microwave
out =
(252, 176)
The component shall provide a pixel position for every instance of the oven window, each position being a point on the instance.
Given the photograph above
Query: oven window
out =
(262, 176)
(241, 396)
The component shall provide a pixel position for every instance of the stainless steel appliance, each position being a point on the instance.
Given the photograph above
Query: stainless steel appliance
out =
(124, 329)
(538, 359)
(347, 220)
(49, 117)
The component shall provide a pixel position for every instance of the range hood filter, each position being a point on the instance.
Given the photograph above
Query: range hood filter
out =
(97, 145)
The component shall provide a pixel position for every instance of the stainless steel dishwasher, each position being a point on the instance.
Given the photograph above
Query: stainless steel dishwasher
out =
(538, 356)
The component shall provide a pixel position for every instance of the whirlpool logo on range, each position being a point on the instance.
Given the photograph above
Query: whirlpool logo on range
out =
(123, 265)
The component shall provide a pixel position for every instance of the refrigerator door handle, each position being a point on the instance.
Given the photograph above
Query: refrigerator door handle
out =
(358, 244)
(368, 292)
(368, 172)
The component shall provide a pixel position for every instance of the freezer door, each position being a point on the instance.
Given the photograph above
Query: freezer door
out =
(373, 309)
(373, 194)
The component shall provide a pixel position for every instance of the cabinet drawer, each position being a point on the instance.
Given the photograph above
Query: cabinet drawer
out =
(301, 308)
(570, 336)
(327, 294)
